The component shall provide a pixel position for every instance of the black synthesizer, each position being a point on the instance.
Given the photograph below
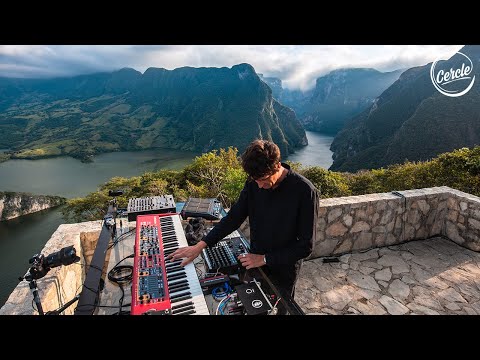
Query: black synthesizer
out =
(222, 257)
(209, 209)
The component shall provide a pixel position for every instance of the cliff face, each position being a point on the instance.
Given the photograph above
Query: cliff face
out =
(411, 121)
(342, 94)
(13, 204)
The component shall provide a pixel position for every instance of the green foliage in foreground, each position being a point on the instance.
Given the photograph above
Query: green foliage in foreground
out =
(4, 157)
(219, 174)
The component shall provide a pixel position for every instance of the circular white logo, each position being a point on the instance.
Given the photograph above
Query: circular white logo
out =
(257, 304)
(452, 81)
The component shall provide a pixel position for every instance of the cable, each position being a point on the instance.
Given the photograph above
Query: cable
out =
(115, 275)
(224, 305)
(274, 310)
(120, 238)
(220, 303)
(219, 293)
(89, 266)
(198, 270)
(103, 306)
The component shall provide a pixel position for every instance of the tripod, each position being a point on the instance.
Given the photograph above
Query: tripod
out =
(32, 284)
(41, 265)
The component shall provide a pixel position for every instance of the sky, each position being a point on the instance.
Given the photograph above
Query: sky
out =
(297, 66)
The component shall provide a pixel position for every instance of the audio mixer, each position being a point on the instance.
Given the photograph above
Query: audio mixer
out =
(150, 205)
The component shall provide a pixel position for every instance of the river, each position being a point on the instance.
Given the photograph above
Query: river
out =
(25, 236)
(68, 177)
(317, 153)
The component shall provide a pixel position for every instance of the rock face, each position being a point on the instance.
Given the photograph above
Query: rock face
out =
(14, 204)
(297, 100)
(342, 94)
(410, 120)
(336, 98)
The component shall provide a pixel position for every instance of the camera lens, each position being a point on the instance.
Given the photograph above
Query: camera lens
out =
(65, 256)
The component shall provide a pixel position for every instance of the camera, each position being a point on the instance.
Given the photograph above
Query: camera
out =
(109, 220)
(42, 264)
(117, 192)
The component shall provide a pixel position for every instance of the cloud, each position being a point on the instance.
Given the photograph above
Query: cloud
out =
(297, 65)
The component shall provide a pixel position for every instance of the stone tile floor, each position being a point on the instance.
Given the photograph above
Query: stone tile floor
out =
(434, 276)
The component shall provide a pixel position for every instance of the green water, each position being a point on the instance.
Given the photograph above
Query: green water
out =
(20, 239)
(68, 177)
(317, 153)
(25, 236)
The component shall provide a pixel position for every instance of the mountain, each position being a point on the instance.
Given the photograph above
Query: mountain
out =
(196, 109)
(342, 94)
(410, 120)
(297, 100)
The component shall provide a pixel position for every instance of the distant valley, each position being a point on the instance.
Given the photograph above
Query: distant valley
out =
(336, 98)
(411, 121)
(195, 109)
(377, 118)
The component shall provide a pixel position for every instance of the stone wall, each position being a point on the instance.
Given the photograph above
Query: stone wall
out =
(362, 222)
(60, 284)
(462, 223)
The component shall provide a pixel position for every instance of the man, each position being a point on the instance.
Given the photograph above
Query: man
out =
(282, 208)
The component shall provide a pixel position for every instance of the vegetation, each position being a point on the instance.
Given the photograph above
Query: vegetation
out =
(4, 157)
(186, 109)
(216, 174)
(219, 174)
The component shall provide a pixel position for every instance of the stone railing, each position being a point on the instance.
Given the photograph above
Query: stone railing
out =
(61, 283)
(355, 223)
(344, 224)
(462, 223)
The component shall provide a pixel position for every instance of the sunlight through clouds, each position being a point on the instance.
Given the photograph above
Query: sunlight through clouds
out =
(297, 66)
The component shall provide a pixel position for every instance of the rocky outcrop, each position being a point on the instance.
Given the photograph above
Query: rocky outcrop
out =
(14, 204)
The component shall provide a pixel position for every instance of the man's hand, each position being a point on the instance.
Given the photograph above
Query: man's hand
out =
(251, 260)
(188, 253)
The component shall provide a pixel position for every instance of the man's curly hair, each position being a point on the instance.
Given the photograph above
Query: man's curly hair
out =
(260, 158)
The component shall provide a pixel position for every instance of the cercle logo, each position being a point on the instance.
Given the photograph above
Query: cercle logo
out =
(452, 81)
(257, 304)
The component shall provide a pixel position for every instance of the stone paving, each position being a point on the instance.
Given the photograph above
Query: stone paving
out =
(433, 276)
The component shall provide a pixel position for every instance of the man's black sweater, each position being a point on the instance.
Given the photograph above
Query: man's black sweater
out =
(282, 220)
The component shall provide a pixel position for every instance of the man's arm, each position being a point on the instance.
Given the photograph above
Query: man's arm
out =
(235, 217)
(228, 224)
(307, 224)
